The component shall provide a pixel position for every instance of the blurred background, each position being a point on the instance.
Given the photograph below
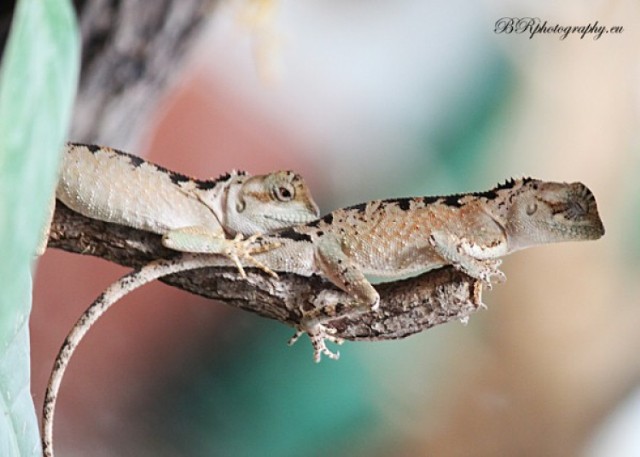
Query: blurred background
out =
(375, 100)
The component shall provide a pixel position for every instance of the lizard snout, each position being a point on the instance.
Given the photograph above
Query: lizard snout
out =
(582, 207)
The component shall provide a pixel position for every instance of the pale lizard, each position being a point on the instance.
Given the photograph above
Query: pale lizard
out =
(109, 185)
(388, 238)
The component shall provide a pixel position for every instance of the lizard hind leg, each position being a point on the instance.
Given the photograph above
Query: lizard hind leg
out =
(362, 297)
(203, 240)
(341, 270)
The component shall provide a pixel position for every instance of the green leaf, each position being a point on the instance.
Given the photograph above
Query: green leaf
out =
(38, 79)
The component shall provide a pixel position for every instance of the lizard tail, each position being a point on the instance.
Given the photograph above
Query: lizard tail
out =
(111, 295)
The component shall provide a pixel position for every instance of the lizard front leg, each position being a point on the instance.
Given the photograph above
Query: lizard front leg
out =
(458, 253)
(340, 269)
(200, 239)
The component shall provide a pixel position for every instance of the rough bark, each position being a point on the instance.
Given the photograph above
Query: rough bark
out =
(407, 306)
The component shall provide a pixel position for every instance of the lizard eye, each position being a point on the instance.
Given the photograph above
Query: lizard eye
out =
(284, 194)
(531, 208)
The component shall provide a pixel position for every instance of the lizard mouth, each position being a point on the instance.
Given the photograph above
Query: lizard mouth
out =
(291, 218)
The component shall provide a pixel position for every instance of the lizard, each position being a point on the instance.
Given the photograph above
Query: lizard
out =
(394, 238)
(113, 186)
(387, 238)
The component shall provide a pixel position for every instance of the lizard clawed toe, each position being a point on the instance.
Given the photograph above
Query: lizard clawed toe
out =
(245, 248)
(490, 271)
(320, 348)
(296, 336)
(375, 306)
(496, 274)
(318, 334)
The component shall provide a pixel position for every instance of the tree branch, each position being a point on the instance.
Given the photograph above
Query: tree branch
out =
(131, 51)
(406, 307)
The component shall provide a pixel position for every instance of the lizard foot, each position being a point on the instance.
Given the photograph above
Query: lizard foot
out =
(489, 271)
(244, 248)
(319, 334)
(462, 255)
(196, 239)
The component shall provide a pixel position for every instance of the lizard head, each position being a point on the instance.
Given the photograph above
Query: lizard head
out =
(271, 202)
(539, 212)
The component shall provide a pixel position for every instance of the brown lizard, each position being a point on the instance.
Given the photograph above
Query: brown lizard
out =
(399, 237)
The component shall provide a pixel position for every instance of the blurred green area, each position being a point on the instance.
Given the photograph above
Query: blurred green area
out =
(630, 247)
(460, 138)
(37, 86)
(260, 397)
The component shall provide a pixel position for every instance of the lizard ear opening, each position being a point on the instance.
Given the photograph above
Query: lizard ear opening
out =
(531, 208)
(240, 204)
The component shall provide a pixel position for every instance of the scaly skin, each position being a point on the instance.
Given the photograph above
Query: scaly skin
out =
(193, 215)
(394, 238)
(385, 238)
